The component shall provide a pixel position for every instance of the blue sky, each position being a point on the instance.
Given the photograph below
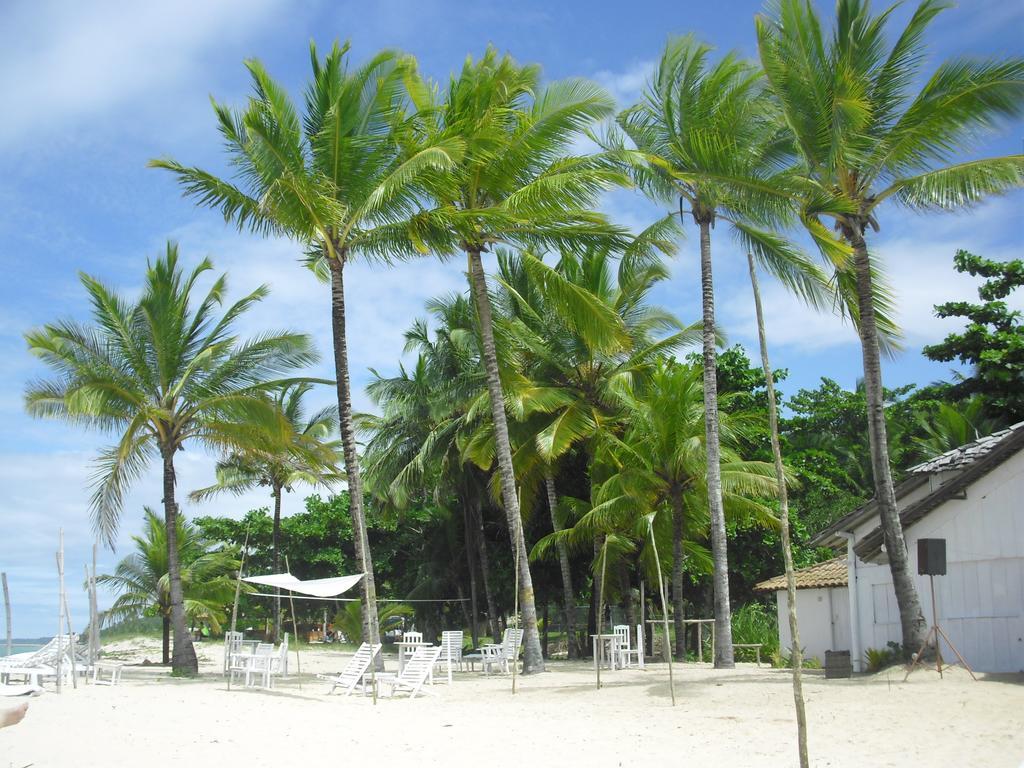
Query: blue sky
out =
(91, 91)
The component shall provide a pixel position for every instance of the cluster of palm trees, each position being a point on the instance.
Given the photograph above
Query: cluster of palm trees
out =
(381, 164)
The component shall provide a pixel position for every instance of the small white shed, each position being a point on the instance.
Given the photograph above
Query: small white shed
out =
(973, 497)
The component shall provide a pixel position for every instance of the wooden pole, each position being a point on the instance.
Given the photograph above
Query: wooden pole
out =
(234, 607)
(88, 595)
(7, 612)
(94, 639)
(295, 627)
(599, 650)
(664, 606)
(60, 608)
(515, 614)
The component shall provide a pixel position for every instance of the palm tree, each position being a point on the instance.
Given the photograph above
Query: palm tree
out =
(865, 137)
(296, 448)
(161, 372)
(580, 330)
(707, 138)
(143, 587)
(341, 180)
(953, 425)
(659, 463)
(516, 184)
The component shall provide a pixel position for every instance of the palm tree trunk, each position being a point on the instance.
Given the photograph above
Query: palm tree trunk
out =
(911, 617)
(568, 596)
(371, 626)
(678, 609)
(796, 655)
(166, 634)
(474, 607)
(626, 587)
(485, 571)
(723, 614)
(183, 657)
(533, 658)
(277, 560)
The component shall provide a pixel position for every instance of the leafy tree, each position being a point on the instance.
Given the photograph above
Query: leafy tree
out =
(864, 138)
(161, 372)
(992, 342)
(293, 449)
(143, 587)
(951, 425)
(707, 137)
(343, 180)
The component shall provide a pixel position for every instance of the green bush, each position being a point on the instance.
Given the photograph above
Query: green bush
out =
(877, 659)
(756, 623)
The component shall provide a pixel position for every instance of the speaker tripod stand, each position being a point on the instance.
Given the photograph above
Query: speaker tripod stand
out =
(934, 633)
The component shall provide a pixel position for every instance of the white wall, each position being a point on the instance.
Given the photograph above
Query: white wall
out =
(980, 602)
(823, 617)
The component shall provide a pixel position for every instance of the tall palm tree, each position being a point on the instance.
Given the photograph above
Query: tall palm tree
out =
(516, 183)
(294, 449)
(660, 463)
(866, 136)
(143, 587)
(706, 137)
(161, 372)
(343, 181)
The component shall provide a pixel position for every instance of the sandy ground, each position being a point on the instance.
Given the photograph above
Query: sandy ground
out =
(741, 717)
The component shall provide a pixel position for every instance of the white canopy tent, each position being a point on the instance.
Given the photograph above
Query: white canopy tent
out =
(317, 589)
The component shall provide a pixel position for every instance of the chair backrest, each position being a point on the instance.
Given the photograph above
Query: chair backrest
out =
(280, 664)
(412, 637)
(451, 645)
(358, 664)
(622, 635)
(264, 649)
(512, 642)
(419, 666)
(233, 642)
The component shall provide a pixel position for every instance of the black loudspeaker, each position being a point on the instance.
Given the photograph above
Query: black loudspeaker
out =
(931, 557)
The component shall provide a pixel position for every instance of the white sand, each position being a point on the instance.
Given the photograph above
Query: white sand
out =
(742, 717)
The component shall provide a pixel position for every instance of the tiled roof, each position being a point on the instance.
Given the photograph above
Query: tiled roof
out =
(958, 458)
(831, 573)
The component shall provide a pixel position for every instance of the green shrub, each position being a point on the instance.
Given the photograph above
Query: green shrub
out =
(756, 623)
(877, 659)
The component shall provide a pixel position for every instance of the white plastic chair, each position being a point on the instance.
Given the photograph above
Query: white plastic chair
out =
(622, 645)
(493, 654)
(625, 652)
(451, 651)
(232, 645)
(355, 672)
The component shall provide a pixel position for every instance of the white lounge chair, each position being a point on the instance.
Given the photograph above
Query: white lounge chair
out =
(451, 651)
(34, 666)
(493, 654)
(354, 674)
(413, 675)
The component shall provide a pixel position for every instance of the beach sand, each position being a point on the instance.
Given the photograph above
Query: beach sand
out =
(741, 717)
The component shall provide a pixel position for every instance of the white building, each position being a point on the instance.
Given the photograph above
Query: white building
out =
(973, 497)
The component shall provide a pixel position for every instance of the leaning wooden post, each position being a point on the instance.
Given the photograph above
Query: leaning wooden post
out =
(88, 594)
(94, 638)
(664, 606)
(234, 607)
(7, 612)
(60, 609)
(295, 627)
(599, 649)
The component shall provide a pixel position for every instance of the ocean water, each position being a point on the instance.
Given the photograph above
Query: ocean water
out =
(19, 647)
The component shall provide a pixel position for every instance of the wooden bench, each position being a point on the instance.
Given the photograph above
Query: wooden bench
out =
(755, 646)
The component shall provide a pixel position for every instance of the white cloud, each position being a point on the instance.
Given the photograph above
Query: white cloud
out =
(60, 62)
(627, 85)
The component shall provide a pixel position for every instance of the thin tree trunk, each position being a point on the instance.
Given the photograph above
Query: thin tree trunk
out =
(166, 639)
(678, 609)
(723, 614)
(183, 657)
(568, 596)
(485, 571)
(361, 540)
(911, 617)
(533, 659)
(796, 655)
(474, 607)
(277, 561)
